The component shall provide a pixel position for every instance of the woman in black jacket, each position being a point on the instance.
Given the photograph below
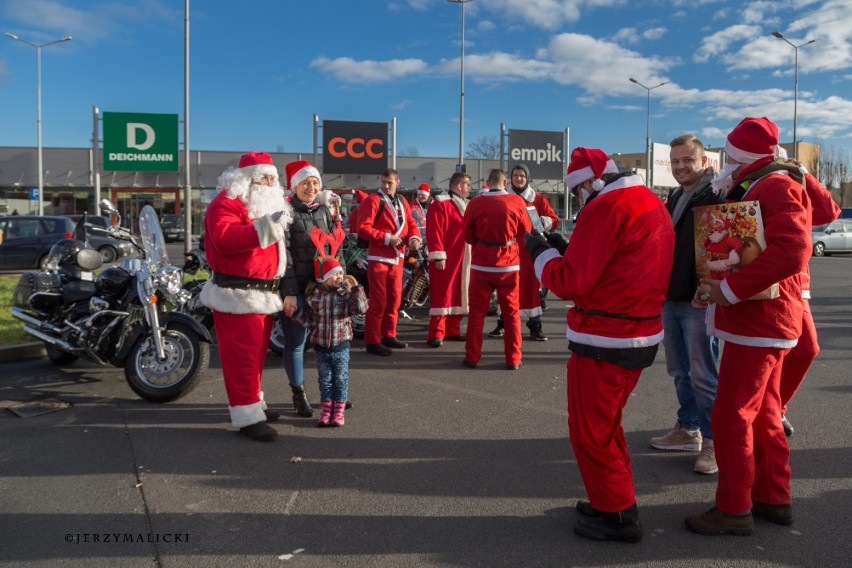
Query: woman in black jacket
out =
(312, 208)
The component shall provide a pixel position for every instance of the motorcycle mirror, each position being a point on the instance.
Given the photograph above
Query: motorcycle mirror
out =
(80, 231)
(107, 206)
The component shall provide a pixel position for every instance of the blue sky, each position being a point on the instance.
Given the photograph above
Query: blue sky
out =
(260, 70)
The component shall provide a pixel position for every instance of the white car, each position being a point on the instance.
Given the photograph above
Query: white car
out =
(832, 238)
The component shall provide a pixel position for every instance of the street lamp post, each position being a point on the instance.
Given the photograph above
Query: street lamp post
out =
(779, 35)
(38, 88)
(648, 128)
(461, 88)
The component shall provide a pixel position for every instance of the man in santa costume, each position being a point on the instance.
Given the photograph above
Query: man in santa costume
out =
(616, 271)
(751, 449)
(420, 206)
(386, 223)
(449, 262)
(244, 231)
(493, 225)
(530, 297)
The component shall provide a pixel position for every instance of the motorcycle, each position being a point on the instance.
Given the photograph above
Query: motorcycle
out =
(125, 316)
(415, 281)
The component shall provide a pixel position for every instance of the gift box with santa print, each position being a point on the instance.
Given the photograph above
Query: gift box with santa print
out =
(728, 236)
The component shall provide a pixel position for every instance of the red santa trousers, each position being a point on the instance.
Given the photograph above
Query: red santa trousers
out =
(751, 449)
(597, 394)
(385, 282)
(479, 294)
(242, 340)
(799, 359)
(444, 326)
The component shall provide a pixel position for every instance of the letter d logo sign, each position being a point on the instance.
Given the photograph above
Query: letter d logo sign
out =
(149, 140)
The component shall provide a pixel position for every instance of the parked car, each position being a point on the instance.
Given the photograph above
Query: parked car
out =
(173, 227)
(832, 238)
(111, 249)
(26, 239)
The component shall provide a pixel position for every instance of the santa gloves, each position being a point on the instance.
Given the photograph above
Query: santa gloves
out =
(535, 244)
(557, 240)
(328, 198)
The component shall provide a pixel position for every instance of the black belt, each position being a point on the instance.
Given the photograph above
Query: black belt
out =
(245, 283)
(493, 244)
(614, 315)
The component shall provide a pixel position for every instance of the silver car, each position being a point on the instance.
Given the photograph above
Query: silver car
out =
(832, 238)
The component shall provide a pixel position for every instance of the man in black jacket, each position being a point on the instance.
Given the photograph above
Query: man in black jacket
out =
(691, 355)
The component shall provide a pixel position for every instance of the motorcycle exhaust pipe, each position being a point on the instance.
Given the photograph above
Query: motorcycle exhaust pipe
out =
(31, 321)
(55, 341)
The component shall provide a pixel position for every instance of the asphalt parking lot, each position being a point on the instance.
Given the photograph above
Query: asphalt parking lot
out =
(438, 465)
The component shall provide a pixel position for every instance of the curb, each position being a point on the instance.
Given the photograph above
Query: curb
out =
(22, 352)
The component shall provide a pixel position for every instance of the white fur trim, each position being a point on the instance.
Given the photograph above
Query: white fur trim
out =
(547, 223)
(441, 197)
(454, 311)
(437, 255)
(234, 301)
(246, 415)
(543, 259)
(302, 175)
(577, 177)
(269, 231)
(744, 157)
(330, 273)
(614, 342)
(254, 172)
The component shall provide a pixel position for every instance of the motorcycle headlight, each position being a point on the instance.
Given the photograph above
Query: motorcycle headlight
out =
(170, 278)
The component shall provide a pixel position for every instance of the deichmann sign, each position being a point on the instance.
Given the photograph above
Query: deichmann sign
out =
(140, 142)
(354, 147)
(540, 151)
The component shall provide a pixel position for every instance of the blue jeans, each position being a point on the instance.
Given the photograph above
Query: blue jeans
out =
(692, 359)
(333, 370)
(295, 337)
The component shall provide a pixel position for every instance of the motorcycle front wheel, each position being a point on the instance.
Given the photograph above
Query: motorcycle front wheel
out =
(164, 381)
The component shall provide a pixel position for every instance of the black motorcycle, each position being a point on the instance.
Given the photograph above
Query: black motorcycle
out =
(124, 316)
(415, 281)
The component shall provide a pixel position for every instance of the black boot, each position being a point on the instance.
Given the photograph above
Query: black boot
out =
(300, 402)
(622, 526)
(535, 331)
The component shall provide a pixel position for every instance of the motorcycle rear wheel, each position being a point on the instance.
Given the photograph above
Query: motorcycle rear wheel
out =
(58, 357)
(187, 358)
(276, 338)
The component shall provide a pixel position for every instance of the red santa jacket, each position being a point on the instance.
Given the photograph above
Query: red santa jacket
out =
(494, 225)
(616, 269)
(542, 207)
(447, 287)
(377, 228)
(823, 210)
(237, 245)
(785, 209)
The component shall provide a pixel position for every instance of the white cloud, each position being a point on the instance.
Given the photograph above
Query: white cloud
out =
(349, 70)
(654, 33)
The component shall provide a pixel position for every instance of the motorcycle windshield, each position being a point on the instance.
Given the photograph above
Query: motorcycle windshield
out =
(152, 236)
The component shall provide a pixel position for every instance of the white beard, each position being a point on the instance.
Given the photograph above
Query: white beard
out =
(264, 200)
(723, 182)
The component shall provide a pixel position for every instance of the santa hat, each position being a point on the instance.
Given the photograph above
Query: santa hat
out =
(256, 164)
(325, 268)
(588, 163)
(299, 171)
(753, 139)
(360, 195)
(424, 189)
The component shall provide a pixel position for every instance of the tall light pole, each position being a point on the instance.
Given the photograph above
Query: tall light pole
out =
(648, 128)
(779, 35)
(461, 89)
(38, 88)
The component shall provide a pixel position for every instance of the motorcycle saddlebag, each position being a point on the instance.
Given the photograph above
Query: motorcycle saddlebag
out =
(37, 290)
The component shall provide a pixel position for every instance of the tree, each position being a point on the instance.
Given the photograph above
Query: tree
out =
(834, 168)
(409, 151)
(485, 147)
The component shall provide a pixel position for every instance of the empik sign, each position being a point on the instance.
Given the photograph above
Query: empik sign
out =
(140, 142)
(540, 151)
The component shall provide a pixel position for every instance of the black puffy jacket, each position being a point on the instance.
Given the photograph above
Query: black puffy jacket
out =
(300, 248)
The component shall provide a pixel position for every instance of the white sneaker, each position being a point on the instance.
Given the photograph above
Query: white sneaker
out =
(706, 462)
(679, 439)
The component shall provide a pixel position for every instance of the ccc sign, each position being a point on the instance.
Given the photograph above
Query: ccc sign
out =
(354, 147)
